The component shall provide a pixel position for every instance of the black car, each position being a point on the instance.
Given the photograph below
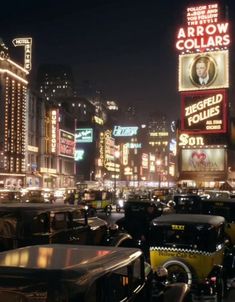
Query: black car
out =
(186, 203)
(137, 216)
(59, 273)
(25, 224)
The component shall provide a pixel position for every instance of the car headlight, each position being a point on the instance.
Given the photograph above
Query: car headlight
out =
(121, 202)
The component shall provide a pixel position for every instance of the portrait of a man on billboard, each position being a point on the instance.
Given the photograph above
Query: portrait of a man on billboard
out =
(203, 71)
(208, 70)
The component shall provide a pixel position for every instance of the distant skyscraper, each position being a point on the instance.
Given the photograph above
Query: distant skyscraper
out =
(55, 83)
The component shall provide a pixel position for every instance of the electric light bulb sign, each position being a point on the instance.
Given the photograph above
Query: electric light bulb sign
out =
(27, 44)
(84, 135)
(204, 111)
(204, 29)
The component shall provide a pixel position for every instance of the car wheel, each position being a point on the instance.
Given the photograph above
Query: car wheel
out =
(178, 271)
(118, 209)
(220, 288)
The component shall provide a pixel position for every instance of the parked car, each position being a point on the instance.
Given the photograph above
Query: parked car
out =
(25, 224)
(136, 220)
(192, 247)
(56, 273)
(224, 207)
(187, 203)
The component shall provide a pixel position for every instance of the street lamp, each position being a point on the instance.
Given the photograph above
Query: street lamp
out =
(116, 156)
(158, 163)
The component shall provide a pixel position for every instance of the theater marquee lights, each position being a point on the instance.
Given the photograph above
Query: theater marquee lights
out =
(204, 29)
(204, 111)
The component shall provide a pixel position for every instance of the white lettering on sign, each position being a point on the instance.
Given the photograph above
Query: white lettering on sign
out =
(53, 130)
(27, 43)
(186, 140)
(204, 29)
(204, 109)
(124, 131)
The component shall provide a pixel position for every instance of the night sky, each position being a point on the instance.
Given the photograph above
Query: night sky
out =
(125, 48)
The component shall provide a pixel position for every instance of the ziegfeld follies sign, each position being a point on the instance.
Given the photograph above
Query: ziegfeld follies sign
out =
(204, 111)
(204, 29)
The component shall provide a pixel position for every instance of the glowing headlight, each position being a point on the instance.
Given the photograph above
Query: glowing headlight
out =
(121, 202)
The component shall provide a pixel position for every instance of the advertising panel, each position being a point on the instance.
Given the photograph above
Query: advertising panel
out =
(66, 145)
(208, 70)
(204, 111)
(125, 131)
(84, 135)
(204, 29)
(203, 160)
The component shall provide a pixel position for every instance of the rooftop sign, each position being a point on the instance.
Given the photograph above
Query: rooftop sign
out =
(204, 30)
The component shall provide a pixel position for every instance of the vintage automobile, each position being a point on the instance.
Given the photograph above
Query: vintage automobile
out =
(224, 207)
(55, 272)
(59, 273)
(192, 247)
(25, 224)
(186, 203)
(9, 195)
(98, 200)
(136, 220)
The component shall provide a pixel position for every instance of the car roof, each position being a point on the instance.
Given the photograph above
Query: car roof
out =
(83, 262)
(36, 207)
(219, 199)
(189, 219)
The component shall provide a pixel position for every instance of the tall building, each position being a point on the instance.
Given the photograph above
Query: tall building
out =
(55, 82)
(13, 91)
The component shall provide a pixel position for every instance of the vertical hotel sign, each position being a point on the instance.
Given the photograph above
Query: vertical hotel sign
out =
(27, 44)
(54, 130)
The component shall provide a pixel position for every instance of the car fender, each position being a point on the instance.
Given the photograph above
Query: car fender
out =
(121, 239)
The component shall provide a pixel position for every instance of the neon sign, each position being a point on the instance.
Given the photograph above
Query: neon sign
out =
(134, 145)
(204, 111)
(84, 135)
(53, 130)
(125, 131)
(186, 140)
(27, 43)
(66, 144)
(204, 30)
(79, 154)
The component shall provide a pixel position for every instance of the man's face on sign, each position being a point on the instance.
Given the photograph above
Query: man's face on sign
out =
(201, 69)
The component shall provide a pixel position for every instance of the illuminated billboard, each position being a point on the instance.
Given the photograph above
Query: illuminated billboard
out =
(204, 111)
(66, 145)
(208, 70)
(84, 135)
(125, 131)
(79, 154)
(27, 44)
(204, 29)
(53, 130)
(203, 160)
